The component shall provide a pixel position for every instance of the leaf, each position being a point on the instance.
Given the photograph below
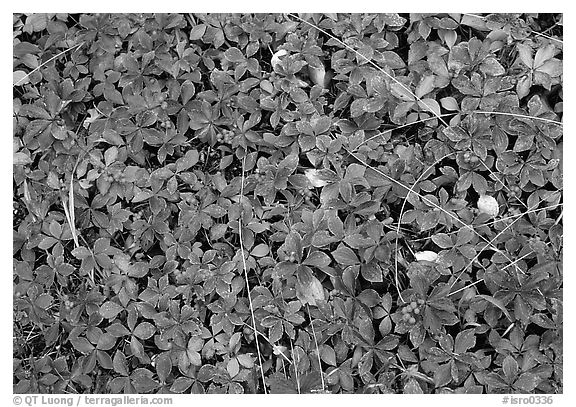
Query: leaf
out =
(425, 86)
(189, 160)
(181, 384)
(318, 259)
(527, 382)
(345, 256)
(145, 330)
(260, 251)
(464, 340)
(543, 54)
(20, 78)
(449, 103)
(443, 240)
(233, 54)
(197, 32)
(110, 309)
(308, 288)
(187, 91)
(328, 355)
(497, 303)
(510, 367)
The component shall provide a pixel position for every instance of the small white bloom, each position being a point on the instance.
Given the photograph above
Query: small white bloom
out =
(426, 255)
(488, 205)
(314, 179)
(276, 57)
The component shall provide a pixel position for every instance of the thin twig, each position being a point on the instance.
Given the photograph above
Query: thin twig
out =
(401, 127)
(517, 115)
(44, 63)
(246, 273)
(396, 281)
(428, 201)
(348, 47)
(317, 348)
(484, 248)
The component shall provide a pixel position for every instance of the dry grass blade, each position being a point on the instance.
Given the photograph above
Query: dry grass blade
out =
(493, 240)
(429, 202)
(348, 47)
(521, 116)
(533, 32)
(495, 177)
(295, 366)
(276, 348)
(246, 275)
(317, 349)
(401, 127)
(70, 213)
(396, 281)
(44, 63)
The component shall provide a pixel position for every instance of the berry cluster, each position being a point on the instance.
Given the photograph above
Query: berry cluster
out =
(289, 257)
(514, 190)
(259, 175)
(67, 303)
(191, 200)
(248, 333)
(307, 193)
(411, 310)
(166, 124)
(225, 137)
(471, 158)
(113, 177)
(181, 276)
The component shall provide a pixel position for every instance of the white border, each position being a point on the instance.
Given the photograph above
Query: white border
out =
(291, 6)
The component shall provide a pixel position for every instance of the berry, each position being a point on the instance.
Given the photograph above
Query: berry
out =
(421, 301)
(405, 310)
(417, 311)
(413, 304)
(406, 317)
(164, 105)
(412, 320)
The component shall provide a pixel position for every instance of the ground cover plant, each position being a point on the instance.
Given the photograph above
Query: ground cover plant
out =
(287, 203)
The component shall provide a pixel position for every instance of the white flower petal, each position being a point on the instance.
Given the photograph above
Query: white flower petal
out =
(312, 176)
(276, 57)
(488, 205)
(426, 255)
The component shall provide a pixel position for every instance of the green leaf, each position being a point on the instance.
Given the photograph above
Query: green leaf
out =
(464, 340)
(145, 330)
(443, 240)
(189, 160)
(345, 256)
(110, 310)
(318, 259)
(497, 303)
(181, 384)
(233, 54)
